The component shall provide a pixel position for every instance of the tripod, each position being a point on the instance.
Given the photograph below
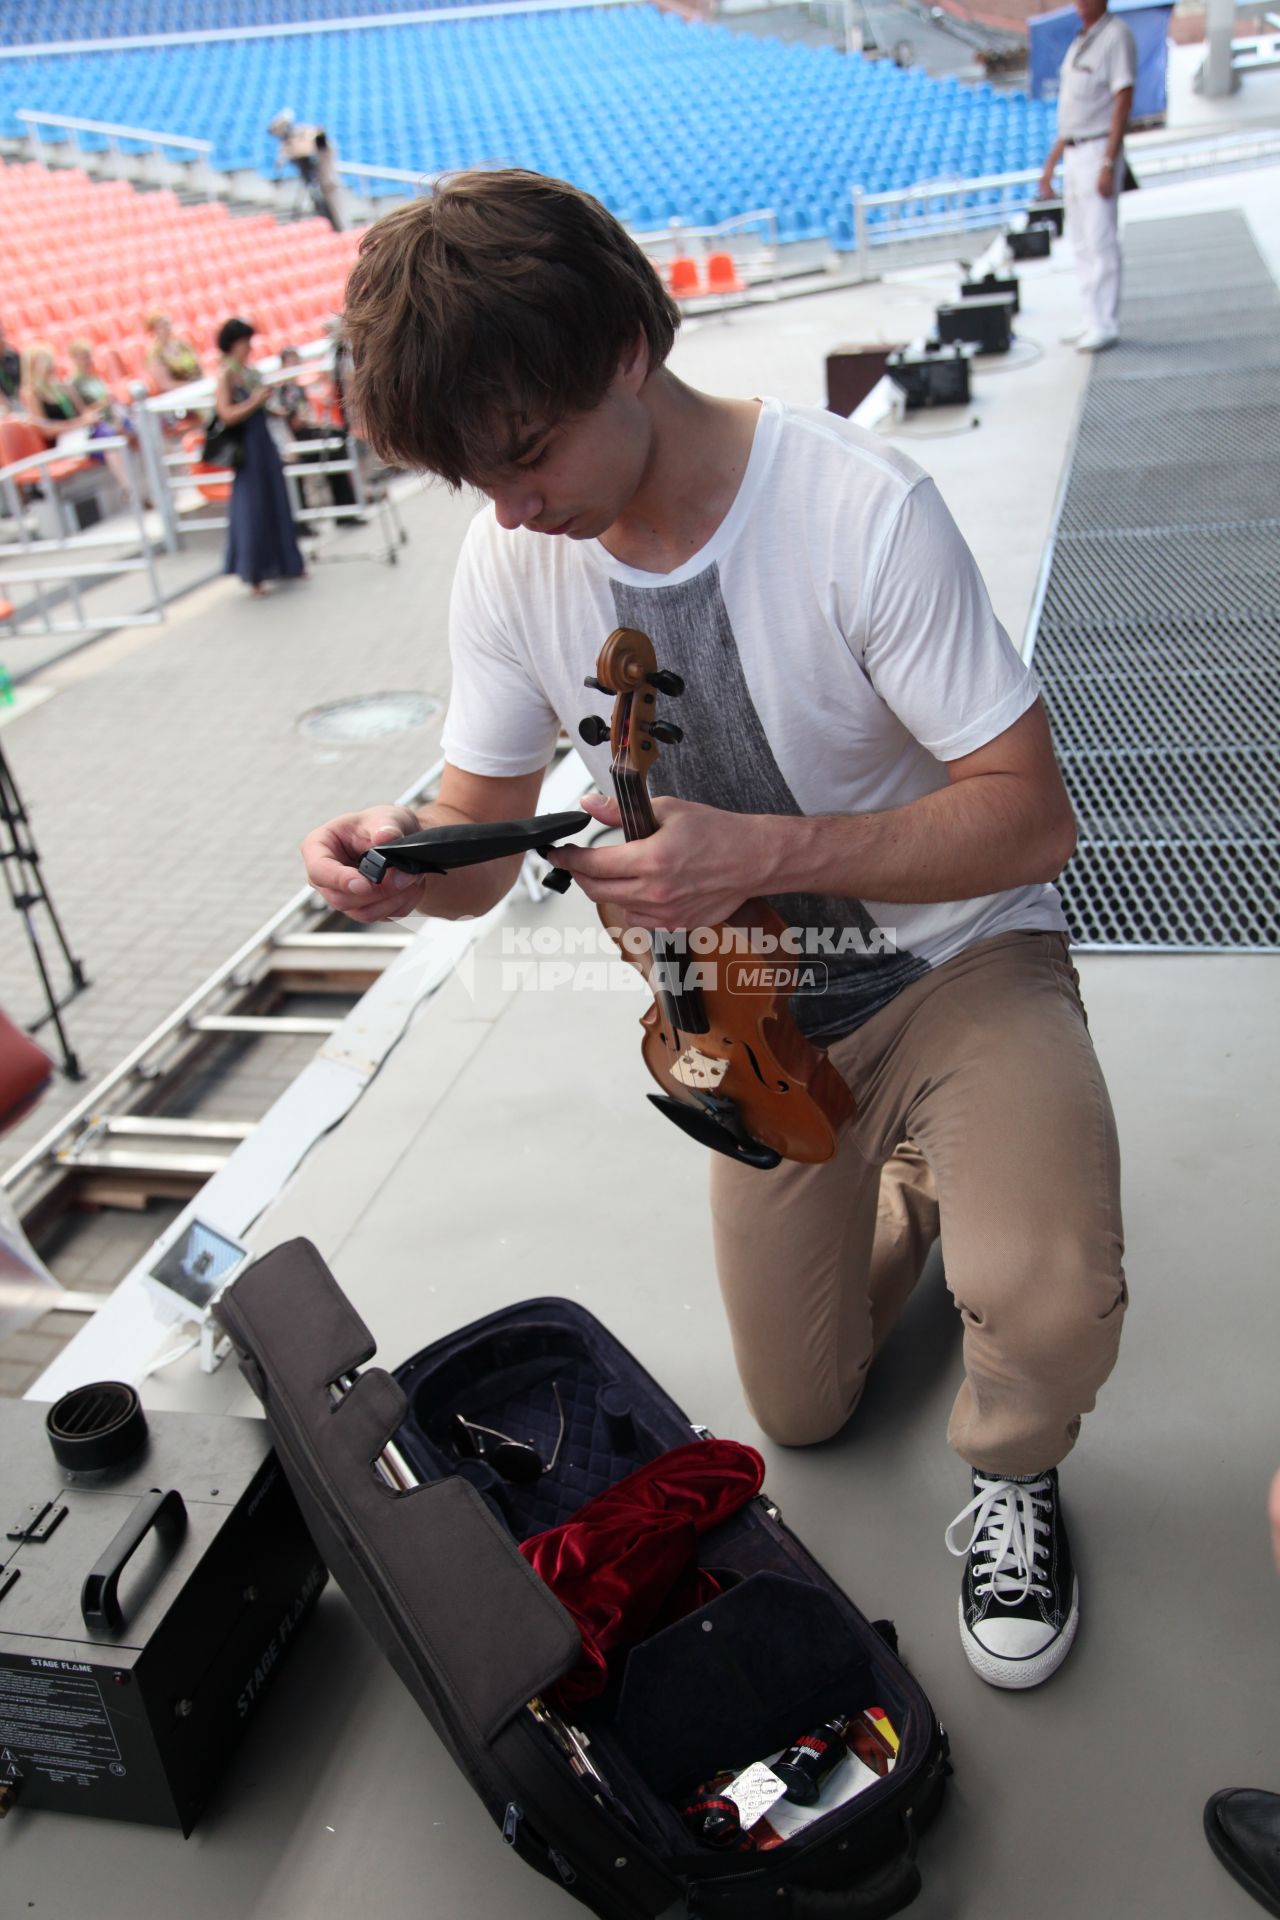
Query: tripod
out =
(21, 863)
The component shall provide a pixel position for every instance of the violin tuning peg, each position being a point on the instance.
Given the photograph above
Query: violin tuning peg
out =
(593, 730)
(666, 682)
(667, 731)
(597, 686)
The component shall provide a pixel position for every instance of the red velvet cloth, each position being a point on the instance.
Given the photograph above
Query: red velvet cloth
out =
(627, 1561)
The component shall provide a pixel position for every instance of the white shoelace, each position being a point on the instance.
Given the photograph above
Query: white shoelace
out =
(1008, 1518)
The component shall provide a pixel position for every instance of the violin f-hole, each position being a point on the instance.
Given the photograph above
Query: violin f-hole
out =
(777, 1086)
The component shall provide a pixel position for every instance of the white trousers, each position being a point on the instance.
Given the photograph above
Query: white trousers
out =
(1092, 223)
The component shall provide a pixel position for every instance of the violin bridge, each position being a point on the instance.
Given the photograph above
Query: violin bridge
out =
(702, 1071)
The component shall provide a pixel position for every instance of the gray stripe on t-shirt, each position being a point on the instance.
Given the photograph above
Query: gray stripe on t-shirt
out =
(725, 760)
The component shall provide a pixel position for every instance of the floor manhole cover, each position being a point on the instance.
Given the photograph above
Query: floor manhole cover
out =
(370, 717)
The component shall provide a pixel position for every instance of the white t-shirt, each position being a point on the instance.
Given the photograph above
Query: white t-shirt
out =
(837, 646)
(1097, 65)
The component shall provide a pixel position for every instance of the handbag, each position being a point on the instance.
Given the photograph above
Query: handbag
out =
(223, 444)
(1129, 182)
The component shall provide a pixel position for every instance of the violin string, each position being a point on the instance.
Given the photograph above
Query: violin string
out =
(634, 827)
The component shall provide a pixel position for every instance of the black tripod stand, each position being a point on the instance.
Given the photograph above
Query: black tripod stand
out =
(21, 863)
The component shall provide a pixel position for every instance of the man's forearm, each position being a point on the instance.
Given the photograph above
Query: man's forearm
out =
(1056, 152)
(1115, 133)
(975, 837)
(467, 892)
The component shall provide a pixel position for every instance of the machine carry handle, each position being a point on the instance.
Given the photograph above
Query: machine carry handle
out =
(99, 1596)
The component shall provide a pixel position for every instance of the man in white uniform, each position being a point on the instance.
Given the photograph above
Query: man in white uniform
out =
(1095, 98)
(863, 746)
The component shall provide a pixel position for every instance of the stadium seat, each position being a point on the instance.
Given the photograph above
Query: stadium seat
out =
(587, 92)
(683, 278)
(722, 274)
(19, 439)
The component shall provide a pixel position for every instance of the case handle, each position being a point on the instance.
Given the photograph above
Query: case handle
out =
(887, 1892)
(99, 1596)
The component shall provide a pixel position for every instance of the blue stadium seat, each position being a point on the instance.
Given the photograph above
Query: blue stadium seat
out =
(661, 117)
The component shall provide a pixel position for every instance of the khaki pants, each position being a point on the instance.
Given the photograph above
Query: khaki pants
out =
(981, 1109)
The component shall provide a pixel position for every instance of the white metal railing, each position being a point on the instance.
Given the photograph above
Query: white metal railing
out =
(403, 176)
(285, 29)
(933, 208)
(1260, 50)
(756, 263)
(171, 467)
(1152, 158)
(74, 555)
(144, 153)
(72, 124)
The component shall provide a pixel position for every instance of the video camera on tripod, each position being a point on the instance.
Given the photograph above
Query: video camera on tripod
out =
(310, 151)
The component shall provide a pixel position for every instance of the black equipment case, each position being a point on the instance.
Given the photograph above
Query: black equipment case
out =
(1033, 242)
(986, 321)
(934, 375)
(476, 1636)
(147, 1598)
(992, 283)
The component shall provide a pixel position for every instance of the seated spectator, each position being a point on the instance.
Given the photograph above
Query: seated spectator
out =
(170, 362)
(50, 402)
(92, 391)
(10, 371)
(90, 388)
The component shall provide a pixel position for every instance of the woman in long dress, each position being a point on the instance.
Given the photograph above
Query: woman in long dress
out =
(261, 543)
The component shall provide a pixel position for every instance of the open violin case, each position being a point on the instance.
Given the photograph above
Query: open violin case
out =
(423, 1535)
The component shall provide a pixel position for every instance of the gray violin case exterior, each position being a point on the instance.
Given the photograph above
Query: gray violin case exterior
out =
(425, 1546)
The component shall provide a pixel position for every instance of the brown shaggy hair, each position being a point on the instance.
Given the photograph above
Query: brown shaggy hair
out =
(488, 312)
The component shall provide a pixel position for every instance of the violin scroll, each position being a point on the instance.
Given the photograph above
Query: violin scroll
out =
(628, 671)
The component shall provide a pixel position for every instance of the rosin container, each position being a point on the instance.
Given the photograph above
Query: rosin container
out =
(153, 1573)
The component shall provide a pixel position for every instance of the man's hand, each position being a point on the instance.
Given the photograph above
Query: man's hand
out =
(695, 871)
(1107, 179)
(332, 853)
(1044, 188)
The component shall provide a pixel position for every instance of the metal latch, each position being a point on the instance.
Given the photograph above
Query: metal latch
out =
(36, 1523)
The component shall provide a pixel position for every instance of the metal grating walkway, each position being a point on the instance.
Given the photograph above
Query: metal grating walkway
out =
(1158, 639)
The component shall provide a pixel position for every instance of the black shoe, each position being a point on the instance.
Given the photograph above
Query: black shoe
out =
(1242, 1825)
(1020, 1601)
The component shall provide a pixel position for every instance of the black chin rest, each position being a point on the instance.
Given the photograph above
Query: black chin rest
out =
(704, 1125)
(439, 849)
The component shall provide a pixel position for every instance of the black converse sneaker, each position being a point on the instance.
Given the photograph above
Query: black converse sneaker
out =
(1020, 1601)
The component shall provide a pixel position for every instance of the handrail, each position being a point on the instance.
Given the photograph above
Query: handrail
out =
(413, 176)
(76, 125)
(102, 444)
(284, 29)
(223, 976)
(761, 223)
(196, 396)
(31, 549)
(1150, 160)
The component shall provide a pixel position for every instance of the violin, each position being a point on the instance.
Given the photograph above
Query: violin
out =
(736, 1072)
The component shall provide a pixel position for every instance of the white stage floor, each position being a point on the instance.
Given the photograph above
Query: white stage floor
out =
(499, 1155)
